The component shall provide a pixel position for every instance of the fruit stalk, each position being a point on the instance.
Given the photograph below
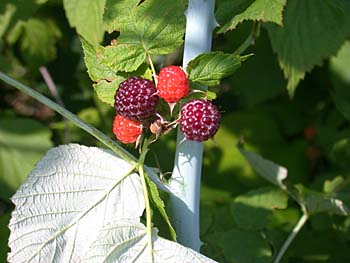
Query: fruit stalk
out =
(185, 181)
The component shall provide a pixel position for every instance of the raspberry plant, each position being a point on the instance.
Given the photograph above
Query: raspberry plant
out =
(89, 204)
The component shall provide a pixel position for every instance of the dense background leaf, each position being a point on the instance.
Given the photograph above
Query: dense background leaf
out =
(320, 31)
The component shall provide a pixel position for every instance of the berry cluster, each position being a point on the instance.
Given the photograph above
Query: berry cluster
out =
(136, 103)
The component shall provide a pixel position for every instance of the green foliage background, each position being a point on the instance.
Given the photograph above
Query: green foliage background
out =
(290, 102)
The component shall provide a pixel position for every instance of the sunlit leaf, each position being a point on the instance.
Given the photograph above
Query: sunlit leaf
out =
(127, 241)
(87, 18)
(72, 192)
(210, 68)
(258, 10)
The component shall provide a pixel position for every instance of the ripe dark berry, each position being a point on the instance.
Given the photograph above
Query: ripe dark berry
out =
(136, 98)
(199, 120)
(173, 84)
(126, 130)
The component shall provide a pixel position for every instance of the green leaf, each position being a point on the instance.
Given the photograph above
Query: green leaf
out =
(158, 203)
(106, 90)
(93, 56)
(124, 57)
(340, 70)
(252, 210)
(6, 13)
(116, 13)
(258, 10)
(94, 186)
(340, 152)
(306, 43)
(153, 27)
(334, 185)
(38, 40)
(22, 143)
(209, 68)
(269, 170)
(87, 18)
(316, 202)
(243, 246)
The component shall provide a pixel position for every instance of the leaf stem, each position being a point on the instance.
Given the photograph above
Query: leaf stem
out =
(154, 73)
(114, 146)
(146, 196)
(292, 235)
(249, 40)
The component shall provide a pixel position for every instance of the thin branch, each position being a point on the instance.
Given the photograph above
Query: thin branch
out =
(52, 88)
(292, 235)
(249, 40)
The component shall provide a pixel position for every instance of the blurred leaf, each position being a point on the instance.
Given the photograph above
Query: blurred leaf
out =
(243, 246)
(270, 171)
(5, 232)
(87, 18)
(340, 152)
(258, 10)
(268, 81)
(316, 202)
(22, 143)
(6, 13)
(340, 69)
(158, 203)
(303, 45)
(334, 185)
(210, 68)
(252, 210)
(38, 41)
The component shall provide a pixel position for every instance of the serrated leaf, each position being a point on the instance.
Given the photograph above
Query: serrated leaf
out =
(124, 57)
(94, 56)
(20, 139)
(301, 46)
(340, 69)
(258, 10)
(38, 40)
(72, 192)
(106, 90)
(158, 203)
(316, 202)
(151, 27)
(269, 170)
(251, 210)
(116, 13)
(209, 68)
(243, 246)
(127, 241)
(87, 18)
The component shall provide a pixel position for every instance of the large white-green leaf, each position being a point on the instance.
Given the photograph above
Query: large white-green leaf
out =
(72, 192)
(127, 241)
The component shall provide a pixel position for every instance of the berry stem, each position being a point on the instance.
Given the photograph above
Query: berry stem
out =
(154, 73)
(249, 40)
(185, 180)
(301, 222)
(146, 196)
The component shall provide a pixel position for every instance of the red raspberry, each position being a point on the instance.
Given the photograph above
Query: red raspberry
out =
(136, 99)
(126, 130)
(173, 84)
(200, 120)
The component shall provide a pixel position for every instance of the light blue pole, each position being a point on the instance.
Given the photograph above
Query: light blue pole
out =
(185, 180)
